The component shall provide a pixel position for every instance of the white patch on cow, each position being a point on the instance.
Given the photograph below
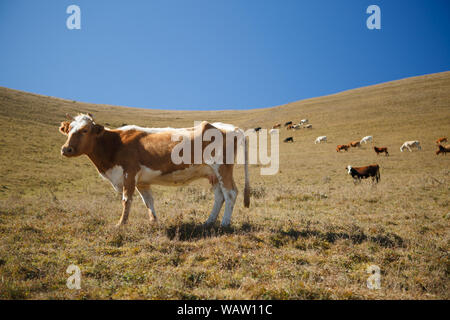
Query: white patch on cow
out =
(147, 130)
(79, 122)
(146, 175)
(349, 168)
(115, 176)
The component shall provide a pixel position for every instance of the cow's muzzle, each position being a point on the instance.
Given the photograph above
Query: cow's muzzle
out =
(67, 151)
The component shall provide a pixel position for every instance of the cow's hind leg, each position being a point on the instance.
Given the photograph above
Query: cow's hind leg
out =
(229, 190)
(218, 202)
(146, 195)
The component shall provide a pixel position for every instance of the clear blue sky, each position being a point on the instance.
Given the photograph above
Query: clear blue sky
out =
(216, 54)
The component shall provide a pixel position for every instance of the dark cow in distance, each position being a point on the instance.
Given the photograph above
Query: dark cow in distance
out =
(359, 173)
(288, 123)
(443, 149)
(289, 139)
(379, 150)
(257, 129)
(342, 147)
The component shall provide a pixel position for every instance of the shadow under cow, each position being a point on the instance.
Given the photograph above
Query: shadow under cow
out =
(191, 231)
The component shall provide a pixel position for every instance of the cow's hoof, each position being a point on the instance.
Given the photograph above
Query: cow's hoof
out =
(120, 225)
(208, 225)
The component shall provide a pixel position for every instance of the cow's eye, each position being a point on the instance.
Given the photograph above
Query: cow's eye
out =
(84, 131)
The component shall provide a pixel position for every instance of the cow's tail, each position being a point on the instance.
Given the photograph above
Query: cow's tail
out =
(247, 178)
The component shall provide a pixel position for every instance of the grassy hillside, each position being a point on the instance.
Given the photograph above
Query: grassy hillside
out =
(310, 233)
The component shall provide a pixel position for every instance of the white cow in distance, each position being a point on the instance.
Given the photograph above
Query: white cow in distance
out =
(320, 139)
(304, 121)
(410, 144)
(366, 139)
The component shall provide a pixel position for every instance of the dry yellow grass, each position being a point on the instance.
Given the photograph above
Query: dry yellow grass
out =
(310, 233)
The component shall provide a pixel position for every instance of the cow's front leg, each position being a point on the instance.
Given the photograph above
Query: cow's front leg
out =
(127, 197)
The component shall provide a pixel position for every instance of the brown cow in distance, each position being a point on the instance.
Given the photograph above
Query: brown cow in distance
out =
(379, 150)
(359, 173)
(354, 144)
(276, 126)
(440, 140)
(443, 149)
(342, 147)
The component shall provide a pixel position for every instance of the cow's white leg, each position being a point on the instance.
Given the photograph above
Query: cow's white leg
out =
(224, 174)
(218, 202)
(146, 195)
(230, 200)
(409, 148)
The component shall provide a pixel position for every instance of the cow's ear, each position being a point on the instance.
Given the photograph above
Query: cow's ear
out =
(64, 128)
(98, 129)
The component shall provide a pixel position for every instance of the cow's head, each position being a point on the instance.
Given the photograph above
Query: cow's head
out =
(349, 169)
(81, 132)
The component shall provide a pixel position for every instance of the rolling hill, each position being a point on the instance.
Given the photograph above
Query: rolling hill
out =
(310, 233)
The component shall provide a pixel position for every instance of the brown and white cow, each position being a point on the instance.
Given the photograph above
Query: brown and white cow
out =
(342, 147)
(359, 173)
(354, 144)
(379, 150)
(443, 149)
(440, 140)
(133, 157)
(276, 126)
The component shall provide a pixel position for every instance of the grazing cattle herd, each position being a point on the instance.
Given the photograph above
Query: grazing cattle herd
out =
(359, 173)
